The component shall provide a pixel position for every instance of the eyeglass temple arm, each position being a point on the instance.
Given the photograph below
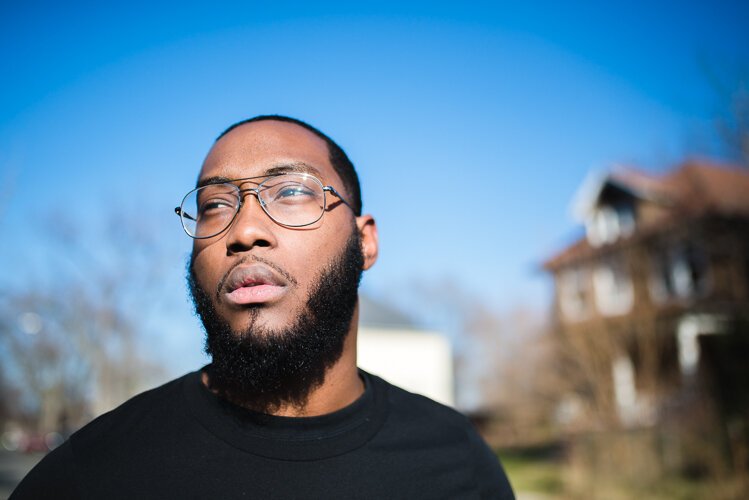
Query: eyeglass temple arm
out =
(178, 211)
(331, 189)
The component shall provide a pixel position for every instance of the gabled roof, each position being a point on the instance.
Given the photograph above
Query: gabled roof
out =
(589, 193)
(703, 187)
(376, 313)
(692, 189)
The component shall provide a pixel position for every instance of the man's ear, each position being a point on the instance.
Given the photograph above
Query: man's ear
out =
(369, 240)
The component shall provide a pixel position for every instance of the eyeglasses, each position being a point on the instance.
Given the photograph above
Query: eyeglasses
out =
(290, 199)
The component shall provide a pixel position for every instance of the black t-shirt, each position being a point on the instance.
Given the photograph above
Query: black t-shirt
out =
(181, 441)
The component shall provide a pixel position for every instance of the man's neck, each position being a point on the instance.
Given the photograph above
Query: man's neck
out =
(342, 386)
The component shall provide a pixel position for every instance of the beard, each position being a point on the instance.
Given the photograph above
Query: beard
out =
(264, 369)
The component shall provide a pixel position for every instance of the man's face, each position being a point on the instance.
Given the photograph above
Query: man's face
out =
(265, 370)
(259, 273)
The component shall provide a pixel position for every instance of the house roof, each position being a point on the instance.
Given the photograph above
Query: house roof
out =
(703, 187)
(692, 189)
(376, 313)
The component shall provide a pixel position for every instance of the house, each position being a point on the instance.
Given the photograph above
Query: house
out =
(644, 297)
(391, 346)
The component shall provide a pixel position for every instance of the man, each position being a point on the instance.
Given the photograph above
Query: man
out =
(279, 245)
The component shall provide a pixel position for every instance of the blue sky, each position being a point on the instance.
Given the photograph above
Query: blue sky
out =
(471, 125)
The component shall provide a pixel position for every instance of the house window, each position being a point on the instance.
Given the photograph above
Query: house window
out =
(574, 293)
(679, 272)
(625, 390)
(610, 222)
(613, 287)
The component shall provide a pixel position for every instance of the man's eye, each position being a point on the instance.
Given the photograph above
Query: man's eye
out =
(293, 193)
(215, 206)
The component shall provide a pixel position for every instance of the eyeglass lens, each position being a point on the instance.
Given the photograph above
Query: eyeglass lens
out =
(290, 199)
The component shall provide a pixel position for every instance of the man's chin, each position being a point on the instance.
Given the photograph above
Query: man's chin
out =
(263, 322)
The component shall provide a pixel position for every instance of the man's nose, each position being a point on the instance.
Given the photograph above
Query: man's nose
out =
(251, 226)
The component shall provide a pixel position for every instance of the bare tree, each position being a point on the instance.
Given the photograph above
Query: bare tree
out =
(732, 115)
(72, 333)
(501, 357)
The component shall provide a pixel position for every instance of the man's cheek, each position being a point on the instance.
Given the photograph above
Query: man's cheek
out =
(205, 279)
(199, 247)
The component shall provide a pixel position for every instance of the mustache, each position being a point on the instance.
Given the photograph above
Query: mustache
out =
(254, 258)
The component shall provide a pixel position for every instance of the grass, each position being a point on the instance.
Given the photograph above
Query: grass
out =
(534, 471)
(542, 473)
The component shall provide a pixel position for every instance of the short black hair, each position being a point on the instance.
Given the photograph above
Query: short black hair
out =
(338, 158)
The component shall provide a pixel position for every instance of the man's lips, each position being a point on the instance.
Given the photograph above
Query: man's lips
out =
(256, 294)
(253, 284)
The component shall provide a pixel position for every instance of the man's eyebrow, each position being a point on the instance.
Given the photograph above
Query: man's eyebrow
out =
(300, 167)
(217, 179)
(281, 168)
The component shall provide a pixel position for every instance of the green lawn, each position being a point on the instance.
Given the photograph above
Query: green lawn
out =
(533, 473)
(537, 474)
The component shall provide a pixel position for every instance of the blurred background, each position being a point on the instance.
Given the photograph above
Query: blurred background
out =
(562, 193)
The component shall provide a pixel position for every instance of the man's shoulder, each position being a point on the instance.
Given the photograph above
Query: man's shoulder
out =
(408, 408)
(107, 445)
(402, 400)
(416, 423)
(143, 412)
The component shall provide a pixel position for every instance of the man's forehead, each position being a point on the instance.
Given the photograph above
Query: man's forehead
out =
(263, 147)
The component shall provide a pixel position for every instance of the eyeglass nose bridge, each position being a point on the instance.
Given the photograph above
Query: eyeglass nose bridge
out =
(242, 193)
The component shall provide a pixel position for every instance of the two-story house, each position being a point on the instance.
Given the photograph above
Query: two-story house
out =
(661, 273)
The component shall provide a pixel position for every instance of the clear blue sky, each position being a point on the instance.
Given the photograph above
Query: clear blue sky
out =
(471, 124)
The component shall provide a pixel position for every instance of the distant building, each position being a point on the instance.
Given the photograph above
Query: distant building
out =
(391, 346)
(661, 273)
